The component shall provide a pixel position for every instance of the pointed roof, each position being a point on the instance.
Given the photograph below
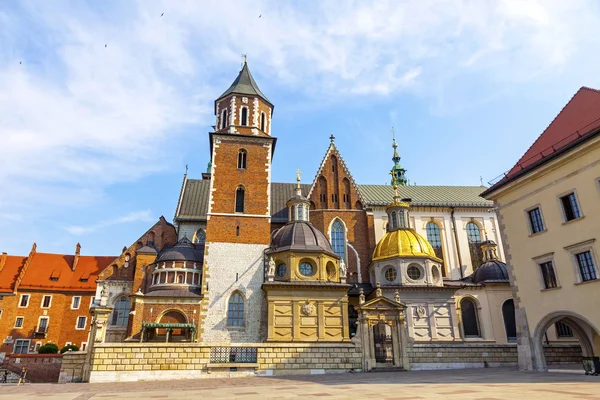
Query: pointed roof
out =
(579, 118)
(245, 84)
(333, 149)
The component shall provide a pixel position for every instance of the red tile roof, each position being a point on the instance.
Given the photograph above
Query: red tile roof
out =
(43, 266)
(580, 117)
(9, 272)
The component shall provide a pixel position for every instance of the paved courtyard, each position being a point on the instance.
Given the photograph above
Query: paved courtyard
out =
(481, 384)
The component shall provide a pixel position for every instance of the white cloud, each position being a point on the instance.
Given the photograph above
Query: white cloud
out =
(137, 216)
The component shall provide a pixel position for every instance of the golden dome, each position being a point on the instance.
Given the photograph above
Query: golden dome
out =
(403, 243)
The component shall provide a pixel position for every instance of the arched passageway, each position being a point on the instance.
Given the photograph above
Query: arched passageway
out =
(582, 330)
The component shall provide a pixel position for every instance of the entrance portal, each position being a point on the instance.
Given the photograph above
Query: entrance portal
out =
(384, 348)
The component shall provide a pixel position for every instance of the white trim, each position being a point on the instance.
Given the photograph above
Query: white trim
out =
(561, 206)
(529, 222)
(47, 323)
(22, 340)
(83, 346)
(583, 247)
(42, 302)
(247, 117)
(73, 300)
(22, 322)
(77, 323)
(21, 300)
(539, 260)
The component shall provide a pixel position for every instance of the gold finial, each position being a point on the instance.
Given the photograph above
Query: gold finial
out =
(394, 185)
(298, 173)
(485, 233)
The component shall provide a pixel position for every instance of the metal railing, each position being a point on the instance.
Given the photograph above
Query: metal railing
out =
(225, 355)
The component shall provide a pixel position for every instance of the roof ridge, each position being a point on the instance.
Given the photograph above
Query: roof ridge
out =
(183, 184)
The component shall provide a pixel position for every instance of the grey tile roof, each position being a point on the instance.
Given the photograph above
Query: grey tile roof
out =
(441, 196)
(245, 84)
(280, 194)
(194, 201)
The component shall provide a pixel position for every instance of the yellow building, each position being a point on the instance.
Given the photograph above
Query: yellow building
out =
(306, 286)
(548, 207)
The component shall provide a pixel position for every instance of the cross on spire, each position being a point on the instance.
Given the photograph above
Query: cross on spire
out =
(244, 57)
(298, 173)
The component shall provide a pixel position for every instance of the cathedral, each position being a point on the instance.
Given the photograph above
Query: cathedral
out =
(248, 261)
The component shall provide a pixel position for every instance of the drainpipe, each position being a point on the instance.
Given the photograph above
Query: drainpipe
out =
(456, 242)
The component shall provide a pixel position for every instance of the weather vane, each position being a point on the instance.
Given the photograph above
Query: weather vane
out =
(244, 57)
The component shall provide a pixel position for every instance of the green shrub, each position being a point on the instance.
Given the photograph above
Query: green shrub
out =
(68, 347)
(48, 348)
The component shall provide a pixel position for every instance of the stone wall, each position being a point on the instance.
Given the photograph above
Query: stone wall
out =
(41, 368)
(71, 369)
(155, 361)
(449, 356)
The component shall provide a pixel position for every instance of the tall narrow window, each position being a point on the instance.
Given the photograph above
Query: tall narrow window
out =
(548, 275)
(239, 200)
(510, 324)
(394, 220)
(120, 314)
(24, 302)
(402, 219)
(300, 209)
(200, 236)
(470, 322)
(242, 159)
(535, 220)
(224, 121)
(263, 122)
(46, 301)
(43, 325)
(474, 237)
(586, 266)
(434, 238)
(338, 239)
(323, 192)
(81, 322)
(346, 183)
(244, 117)
(570, 207)
(235, 310)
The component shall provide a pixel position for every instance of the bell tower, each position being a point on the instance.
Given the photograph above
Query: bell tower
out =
(238, 226)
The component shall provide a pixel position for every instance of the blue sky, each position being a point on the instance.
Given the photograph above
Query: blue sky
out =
(102, 104)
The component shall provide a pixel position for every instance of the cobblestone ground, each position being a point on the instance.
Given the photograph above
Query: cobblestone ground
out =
(485, 384)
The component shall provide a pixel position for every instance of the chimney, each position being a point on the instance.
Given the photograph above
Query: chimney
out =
(76, 259)
(2, 260)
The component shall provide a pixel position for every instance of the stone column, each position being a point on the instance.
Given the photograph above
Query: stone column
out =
(403, 340)
(97, 334)
(396, 344)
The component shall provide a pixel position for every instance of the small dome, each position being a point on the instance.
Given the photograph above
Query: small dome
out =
(403, 243)
(184, 250)
(491, 271)
(300, 236)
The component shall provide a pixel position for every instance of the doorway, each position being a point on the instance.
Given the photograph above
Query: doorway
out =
(384, 347)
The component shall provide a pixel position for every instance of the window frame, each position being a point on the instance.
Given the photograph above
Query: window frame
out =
(476, 244)
(313, 267)
(441, 239)
(114, 321)
(394, 271)
(21, 301)
(73, 301)
(77, 328)
(242, 159)
(579, 248)
(28, 341)
(239, 314)
(242, 115)
(263, 121)
(243, 203)
(512, 339)
(530, 223)
(40, 318)
(558, 331)
(224, 121)
(22, 318)
(563, 211)
(539, 261)
(476, 308)
(334, 237)
(44, 297)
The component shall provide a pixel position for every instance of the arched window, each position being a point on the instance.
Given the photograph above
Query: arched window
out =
(120, 314)
(510, 324)
(224, 119)
(470, 322)
(244, 116)
(333, 163)
(263, 121)
(323, 192)
(200, 236)
(402, 219)
(150, 238)
(180, 278)
(239, 200)
(338, 239)
(346, 195)
(300, 209)
(434, 238)
(394, 220)
(474, 237)
(235, 310)
(242, 159)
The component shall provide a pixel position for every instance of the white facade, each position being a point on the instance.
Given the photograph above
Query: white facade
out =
(484, 218)
(231, 268)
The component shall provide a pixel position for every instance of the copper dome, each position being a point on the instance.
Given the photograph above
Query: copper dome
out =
(300, 236)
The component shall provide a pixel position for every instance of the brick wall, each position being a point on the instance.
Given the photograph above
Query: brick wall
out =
(134, 362)
(41, 368)
(434, 356)
(61, 324)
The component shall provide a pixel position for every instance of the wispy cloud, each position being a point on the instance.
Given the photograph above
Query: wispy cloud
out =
(137, 216)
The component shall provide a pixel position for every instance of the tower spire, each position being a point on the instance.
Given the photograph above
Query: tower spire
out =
(398, 173)
(298, 188)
